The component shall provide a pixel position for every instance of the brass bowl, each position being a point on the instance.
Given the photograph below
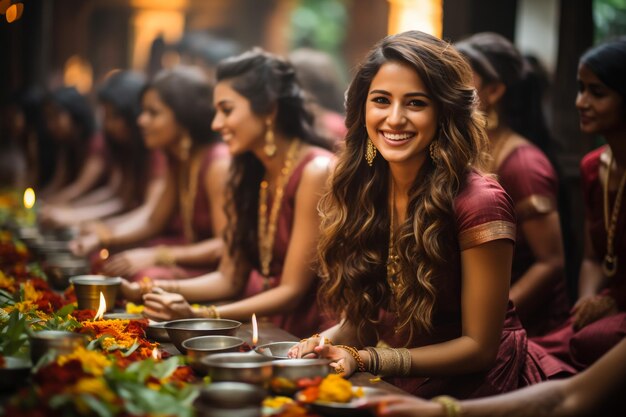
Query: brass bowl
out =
(181, 330)
(201, 346)
(250, 368)
(14, 373)
(88, 288)
(230, 399)
(53, 343)
(296, 374)
(275, 350)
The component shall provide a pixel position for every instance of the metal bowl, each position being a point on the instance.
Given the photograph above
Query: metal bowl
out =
(230, 399)
(88, 288)
(275, 350)
(13, 373)
(59, 267)
(156, 331)
(181, 330)
(250, 368)
(53, 343)
(201, 346)
(123, 316)
(295, 374)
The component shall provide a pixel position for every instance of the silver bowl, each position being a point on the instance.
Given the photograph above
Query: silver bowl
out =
(275, 350)
(14, 373)
(250, 368)
(156, 331)
(296, 374)
(181, 330)
(88, 288)
(123, 316)
(230, 399)
(201, 346)
(54, 343)
(59, 267)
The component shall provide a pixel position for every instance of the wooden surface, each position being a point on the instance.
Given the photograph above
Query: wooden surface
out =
(269, 333)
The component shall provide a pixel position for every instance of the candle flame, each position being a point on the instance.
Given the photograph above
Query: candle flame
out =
(321, 341)
(104, 254)
(29, 198)
(156, 354)
(101, 308)
(255, 330)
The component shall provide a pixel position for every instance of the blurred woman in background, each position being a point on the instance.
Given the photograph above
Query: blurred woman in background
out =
(538, 287)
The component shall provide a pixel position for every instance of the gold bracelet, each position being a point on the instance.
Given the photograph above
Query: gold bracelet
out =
(327, 341)
(374, 360)
(450, 405)
(164, 257)
(209, 312)
(355, 354)
(394, 362)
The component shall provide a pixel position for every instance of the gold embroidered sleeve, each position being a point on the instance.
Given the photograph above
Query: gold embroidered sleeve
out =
(486, 232)
(534, 205)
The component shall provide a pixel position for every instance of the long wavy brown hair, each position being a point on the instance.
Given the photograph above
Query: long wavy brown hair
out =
(353, 247)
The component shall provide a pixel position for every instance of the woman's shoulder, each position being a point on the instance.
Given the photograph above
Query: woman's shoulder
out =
(590, 164)
(484, 211)
(314, 167)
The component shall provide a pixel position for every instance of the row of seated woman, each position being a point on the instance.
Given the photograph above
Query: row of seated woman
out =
(426, 244)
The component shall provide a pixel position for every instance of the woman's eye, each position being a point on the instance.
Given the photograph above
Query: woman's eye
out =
(418, 103)
(380, 100)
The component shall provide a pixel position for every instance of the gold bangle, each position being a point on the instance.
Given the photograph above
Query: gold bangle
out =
(355, 354)
(395, 362)
(164, 257)
(327, 341)
(450, 405)
(374, 360)
(209, 312)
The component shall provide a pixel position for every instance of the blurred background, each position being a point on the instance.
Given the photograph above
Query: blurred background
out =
(51, 43)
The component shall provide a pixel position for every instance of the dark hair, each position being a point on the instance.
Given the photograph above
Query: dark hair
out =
(353, 246)
(495, 59)
(189, 94)
(269, 83)
(122, 90)
(77, 105)
(608, 62)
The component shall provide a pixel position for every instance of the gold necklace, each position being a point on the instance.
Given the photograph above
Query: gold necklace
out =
(393, 260)
(609, 264)
(187, 195)
(267, 230)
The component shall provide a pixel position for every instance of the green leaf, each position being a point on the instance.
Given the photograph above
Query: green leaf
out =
(96, 405)
(165, 368)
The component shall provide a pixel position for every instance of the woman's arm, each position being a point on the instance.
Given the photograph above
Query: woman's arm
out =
(534, 288)
(91, 171)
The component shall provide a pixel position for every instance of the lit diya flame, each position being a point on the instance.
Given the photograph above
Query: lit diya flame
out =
(101, 308)
(321, 341)
(255, 331)
(29, 198)
(104, 254)
(156, 354)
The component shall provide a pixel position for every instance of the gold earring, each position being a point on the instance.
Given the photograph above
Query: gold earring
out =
(270, 145)
(433, 150)
(492, 119)
(184, 146)
(370, 152)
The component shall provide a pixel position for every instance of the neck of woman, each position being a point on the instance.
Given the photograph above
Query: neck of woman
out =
(274, 165)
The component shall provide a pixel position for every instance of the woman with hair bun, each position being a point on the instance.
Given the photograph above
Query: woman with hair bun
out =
(278, 174)
(417, 242)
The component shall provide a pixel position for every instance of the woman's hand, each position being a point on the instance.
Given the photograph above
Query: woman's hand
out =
(163, 306)
(129, 262)
(404, 406)
(131, 291)
(590, 309)
(84, 244)
(341, 360)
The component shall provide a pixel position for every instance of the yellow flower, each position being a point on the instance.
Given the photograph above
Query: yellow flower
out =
(96, 387)
(30, 293)
(92, 361)
(7, 283)
(132, 308)
(23, 307)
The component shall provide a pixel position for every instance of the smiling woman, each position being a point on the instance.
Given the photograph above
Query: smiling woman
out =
(422, 264)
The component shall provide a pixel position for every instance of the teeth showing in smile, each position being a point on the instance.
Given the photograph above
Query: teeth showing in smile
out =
(397, 136)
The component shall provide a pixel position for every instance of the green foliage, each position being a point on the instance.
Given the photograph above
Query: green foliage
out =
(319, 24)
(609, 18)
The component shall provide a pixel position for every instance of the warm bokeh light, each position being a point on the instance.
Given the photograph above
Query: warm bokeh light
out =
(29, 198)
(14, 12)
(104, 254)
(150, 23)
(101, 308)
(255, 331)
(4, 5)
(78, 73)
(424, 15)
(156, 354)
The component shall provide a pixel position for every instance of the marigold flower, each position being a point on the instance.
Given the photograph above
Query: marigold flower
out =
(92, 362)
